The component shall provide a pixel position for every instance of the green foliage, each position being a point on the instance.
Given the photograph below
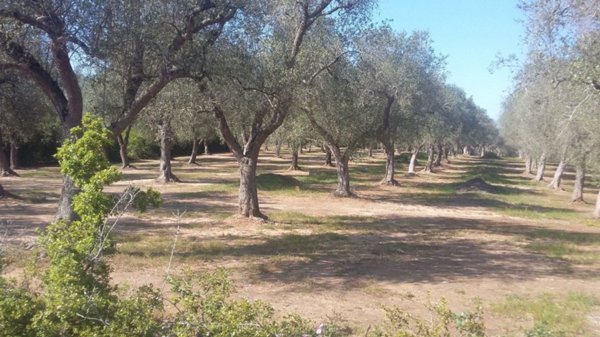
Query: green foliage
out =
(443, 323)
(141, 146)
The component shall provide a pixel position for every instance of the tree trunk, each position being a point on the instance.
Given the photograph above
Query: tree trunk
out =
(123, 144)
(390, 166)
(65, 210)
(343, 174)
(278, 149)
(438, 158)
(328, 161)
(413, 161)
(370, 151)
(2, 193)
(14, 156)
(482, 154)
(596, 210)
(5, 170)
(294, 165)
(541, 167)
(466, 151)
(579, 183)
(194, 154)
(166, 145)
(528, 164)
(429, 165)
(248, 197)
(206, 149)
(560, 169)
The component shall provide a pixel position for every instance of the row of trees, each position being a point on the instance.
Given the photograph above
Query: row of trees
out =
(551, 113)
(251, 70)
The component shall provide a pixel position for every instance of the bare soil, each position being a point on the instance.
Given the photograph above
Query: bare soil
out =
(322, 256)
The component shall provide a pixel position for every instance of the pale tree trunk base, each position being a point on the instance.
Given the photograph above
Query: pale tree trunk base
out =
(2, 192)
(390, 167)
(294, 165)
(343, 194)
(578, 187)
(248, 194)
(429, 165)
(386, 182)
(14, 156)
(8, 173)
(541, 168)
(560, 169)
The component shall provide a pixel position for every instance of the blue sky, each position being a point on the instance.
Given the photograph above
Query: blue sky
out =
(470, 33)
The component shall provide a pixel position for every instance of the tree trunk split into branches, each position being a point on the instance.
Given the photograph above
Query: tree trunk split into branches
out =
(579, 183)
(560, 170)
(541, 167)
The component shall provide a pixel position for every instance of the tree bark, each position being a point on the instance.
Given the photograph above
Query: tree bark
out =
(482, 154)
(466, 151)
(596, 210)
(528, 164)
(294, 165)
(194, 154)
(5, 170)
(14, 156)
(343, 173)
(560, 169)
(123, 142)
(328, 157)
(206, 148)
(370, 151)
(248, 197)
(390, 166)
(579, 183)
(166, 145)
(413, 161)
(541, 167)
(278, 149)
(438, 157)
(2, 192)
(429, 165)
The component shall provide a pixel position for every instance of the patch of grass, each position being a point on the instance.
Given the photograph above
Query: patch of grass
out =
(318, 178)
(560, 315)
(294, 218)
(275, 182)
(579, 248)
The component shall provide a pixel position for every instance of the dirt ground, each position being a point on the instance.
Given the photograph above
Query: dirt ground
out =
(325, 257)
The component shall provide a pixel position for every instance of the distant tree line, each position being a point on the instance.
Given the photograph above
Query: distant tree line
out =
(552, 111)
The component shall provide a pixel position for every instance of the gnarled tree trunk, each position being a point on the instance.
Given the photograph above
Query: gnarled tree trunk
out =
(390, 166)
(294, 165)
(560, 169)
(541, 167)
(14, 156)
(429, 165)
(579, 183)
(194, 154)
(343, 173)
(166, 145)
(248, 197)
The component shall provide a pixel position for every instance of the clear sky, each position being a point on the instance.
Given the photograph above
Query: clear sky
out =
(470, 33)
